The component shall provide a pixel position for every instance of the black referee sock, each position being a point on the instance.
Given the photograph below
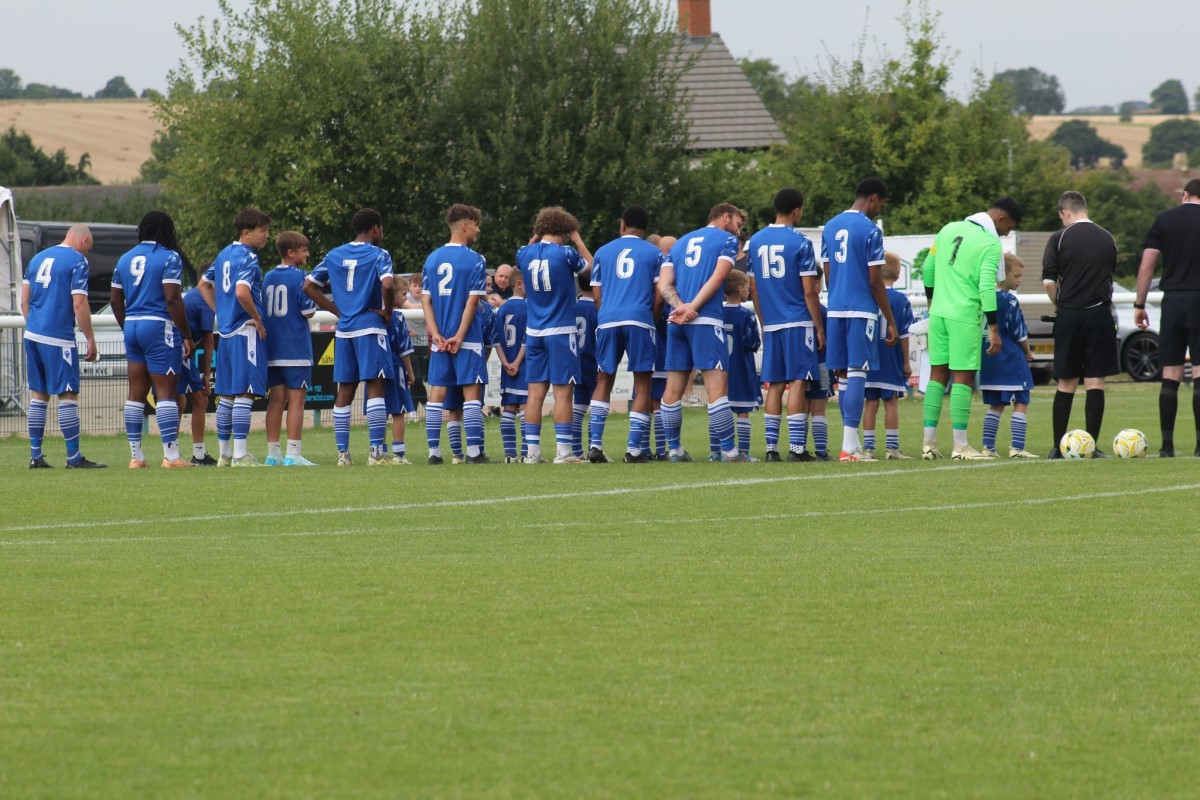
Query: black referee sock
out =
(1093, 409)
(1196, 410)
(1062, 414)
(1168, 404)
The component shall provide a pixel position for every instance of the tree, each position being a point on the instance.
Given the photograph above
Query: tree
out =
(163, 148)
(1170, 98)
(23, 164)
(1196, 99)
(116, 88)
(1168, 138)
(10, 85)
(42, 91)
(311, 109)
(941, 158)
(1034, 92)
(1085, 145)
(585, 113)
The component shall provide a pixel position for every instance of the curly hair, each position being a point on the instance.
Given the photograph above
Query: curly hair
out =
(555, 222)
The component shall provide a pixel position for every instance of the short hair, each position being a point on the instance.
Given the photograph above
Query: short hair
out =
(788, 200)
(636, 218)
(249, 219)
(1013, 260)
(721, 209)
(1192, 188)
(415, 278)
(460, 211)
(584, 281)
(158, 227)
(735, 280)
(871, 186)
(364, 220)
(1010, 207)
(288, 241)
(554, 221)
(654, 239)
(1071, 201)
(891, 266)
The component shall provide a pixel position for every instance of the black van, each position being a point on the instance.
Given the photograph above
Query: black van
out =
(109, 243)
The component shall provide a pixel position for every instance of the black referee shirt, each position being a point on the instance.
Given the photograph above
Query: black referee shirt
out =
(1177, 234)
(1081, 259)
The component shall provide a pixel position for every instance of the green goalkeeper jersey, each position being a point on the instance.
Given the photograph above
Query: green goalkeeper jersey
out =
(962, 268)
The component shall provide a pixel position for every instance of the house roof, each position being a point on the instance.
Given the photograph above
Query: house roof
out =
(725, 113)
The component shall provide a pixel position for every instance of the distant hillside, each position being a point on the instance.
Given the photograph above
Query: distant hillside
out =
(1130, 135)
(116, 133)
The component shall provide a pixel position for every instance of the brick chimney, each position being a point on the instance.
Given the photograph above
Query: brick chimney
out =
(695, 17)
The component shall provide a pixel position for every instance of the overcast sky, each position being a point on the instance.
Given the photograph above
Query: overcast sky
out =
(1102, 51)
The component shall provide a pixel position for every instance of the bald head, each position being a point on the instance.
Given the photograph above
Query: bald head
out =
(79, 238)
(666, 243)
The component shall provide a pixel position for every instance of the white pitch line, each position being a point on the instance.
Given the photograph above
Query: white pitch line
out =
(675, 487)
(924, 509)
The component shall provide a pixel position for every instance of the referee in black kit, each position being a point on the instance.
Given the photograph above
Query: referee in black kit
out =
(1175, 234)
(1077, 271)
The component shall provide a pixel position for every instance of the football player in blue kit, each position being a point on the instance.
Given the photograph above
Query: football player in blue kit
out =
(743, 340)
(514, 390)
(624, 280)
(1005, 377)
(888, 382)
(148, 305)
(786, 293)
(549, 267)
(195, 381)
(359, 276)
(289, 347)
(852, 253)
(232, 287)
(691, 282)
(54, 297)
(453, 281)
(585, 328)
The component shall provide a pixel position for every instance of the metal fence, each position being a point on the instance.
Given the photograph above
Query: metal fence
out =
(104, 388)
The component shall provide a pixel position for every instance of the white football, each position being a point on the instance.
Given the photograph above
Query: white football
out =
(1129, 443)
(1077, 445)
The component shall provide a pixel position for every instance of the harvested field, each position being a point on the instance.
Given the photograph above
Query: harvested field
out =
(1130, 135)
(116, 133)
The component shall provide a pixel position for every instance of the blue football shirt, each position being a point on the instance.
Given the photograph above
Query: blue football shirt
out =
(53, 277)
(742, 339)
(237, 263)
(453, 276)
(354, 273)
(511, 323)
(289, 339)
(781, 257)
(890, 372)
(1008, 369)
(199, 315)
(850, 245)
(549, 271)
(400, 341)
(694, 259)
(626, 270)
(585, 329)
(140, 275)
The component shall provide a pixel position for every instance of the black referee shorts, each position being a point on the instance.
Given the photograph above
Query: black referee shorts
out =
(1179, 328)
(1085, 343)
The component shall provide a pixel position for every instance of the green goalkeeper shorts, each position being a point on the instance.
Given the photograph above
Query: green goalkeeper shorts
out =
(959, 344)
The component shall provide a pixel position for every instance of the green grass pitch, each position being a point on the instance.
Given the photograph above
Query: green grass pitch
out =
(700, 630)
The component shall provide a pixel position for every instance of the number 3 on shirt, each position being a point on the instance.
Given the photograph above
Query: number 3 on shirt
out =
(842, 238)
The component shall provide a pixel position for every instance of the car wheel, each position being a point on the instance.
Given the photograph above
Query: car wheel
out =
(1139, 357)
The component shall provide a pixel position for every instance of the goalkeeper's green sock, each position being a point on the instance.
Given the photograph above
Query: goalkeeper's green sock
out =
(960, 412)
(935, 392)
